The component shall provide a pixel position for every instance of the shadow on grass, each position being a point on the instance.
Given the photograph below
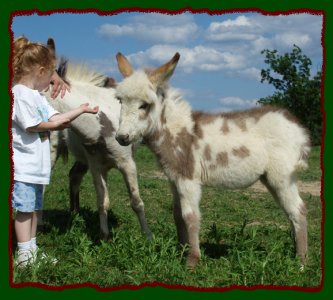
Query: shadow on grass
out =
(62, 220)
(215, 251)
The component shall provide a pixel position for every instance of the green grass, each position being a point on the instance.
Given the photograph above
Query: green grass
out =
(245, 237)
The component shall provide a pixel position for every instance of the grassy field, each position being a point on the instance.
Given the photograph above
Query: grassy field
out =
(245, 237)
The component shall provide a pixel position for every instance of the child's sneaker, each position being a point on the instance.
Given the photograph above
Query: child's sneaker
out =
(24, 258)
(39, 256)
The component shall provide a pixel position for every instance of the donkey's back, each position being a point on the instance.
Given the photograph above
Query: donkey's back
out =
(237, 148)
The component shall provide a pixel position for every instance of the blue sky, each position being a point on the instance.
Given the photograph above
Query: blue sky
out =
(220, 63)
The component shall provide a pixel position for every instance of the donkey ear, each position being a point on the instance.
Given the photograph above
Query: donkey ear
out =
(51, 45)
(164, 72)
(123, 65)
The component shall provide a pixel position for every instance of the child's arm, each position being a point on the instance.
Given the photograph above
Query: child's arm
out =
(62, 121)
(73, 114)
(59, 124)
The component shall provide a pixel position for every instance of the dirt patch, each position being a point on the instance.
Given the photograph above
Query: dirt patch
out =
(312, 187)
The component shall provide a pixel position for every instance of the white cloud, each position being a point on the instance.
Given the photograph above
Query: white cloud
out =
(231, 36)
(252, 73)
(245, 36)
(289, 39)
(109, 30)
(283, 31)
(242, 28)
(278, 32)
(156, 28)
(198, 58)
(232, 46)
(259, 44)
(232, 103)
(239, 21)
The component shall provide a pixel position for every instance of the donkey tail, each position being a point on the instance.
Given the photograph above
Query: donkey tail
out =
(302, 163)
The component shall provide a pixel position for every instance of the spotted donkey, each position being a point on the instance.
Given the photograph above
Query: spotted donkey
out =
(91, 139)
(232, 150)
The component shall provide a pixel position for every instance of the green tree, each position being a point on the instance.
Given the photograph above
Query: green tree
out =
(295, 89)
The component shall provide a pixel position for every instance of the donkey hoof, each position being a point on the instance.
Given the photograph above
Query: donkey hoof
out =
(104, 236)
(149, 235)
(192, 261)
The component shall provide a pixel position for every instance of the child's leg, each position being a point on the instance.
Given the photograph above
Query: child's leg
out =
(23, 223)
(25, 199)
(34, 224)
(36, 215)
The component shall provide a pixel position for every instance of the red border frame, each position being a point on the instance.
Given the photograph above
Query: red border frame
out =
(172, 12)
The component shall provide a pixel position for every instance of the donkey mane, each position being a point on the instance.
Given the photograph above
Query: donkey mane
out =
(80, 72)
(176, 110)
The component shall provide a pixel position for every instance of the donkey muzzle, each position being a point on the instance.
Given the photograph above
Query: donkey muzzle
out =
(123, 139)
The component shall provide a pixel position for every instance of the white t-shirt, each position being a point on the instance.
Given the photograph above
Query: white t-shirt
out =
(32, 162)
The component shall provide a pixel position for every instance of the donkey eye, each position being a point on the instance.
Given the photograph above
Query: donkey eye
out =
(119, 99)
(144, 106)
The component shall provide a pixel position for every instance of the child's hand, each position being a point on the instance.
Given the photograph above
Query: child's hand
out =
(87, 109)
(59, 86)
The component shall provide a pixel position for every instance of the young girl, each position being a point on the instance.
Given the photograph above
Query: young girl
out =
(32, 118)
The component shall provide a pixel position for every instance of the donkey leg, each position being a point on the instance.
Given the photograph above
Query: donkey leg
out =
(189, 197)
(130, 176)
(76, 175)
(177, 214)
(287, 195)
(100, 182)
